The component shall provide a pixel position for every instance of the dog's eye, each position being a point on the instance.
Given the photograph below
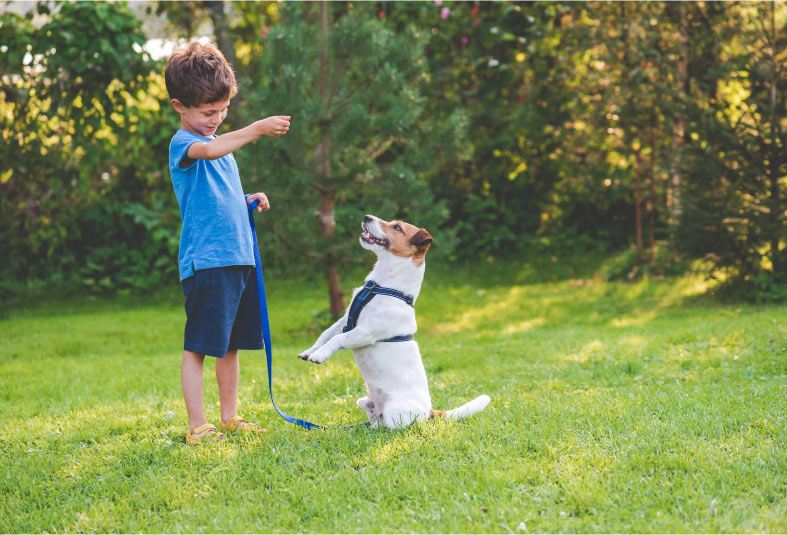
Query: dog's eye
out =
(397, 227)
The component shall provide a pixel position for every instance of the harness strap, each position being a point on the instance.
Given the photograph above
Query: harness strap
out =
(362, 298)
(266, 329)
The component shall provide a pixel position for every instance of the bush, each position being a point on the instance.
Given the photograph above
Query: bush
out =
(628, 266)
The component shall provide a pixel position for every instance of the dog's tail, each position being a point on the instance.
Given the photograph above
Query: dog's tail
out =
(468, 409)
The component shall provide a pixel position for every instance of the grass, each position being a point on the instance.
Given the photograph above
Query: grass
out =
(640, 407)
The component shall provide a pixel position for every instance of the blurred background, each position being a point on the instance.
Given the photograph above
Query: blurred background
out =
(649, 132)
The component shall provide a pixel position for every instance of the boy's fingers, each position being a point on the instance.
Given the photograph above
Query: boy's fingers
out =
(264, 203)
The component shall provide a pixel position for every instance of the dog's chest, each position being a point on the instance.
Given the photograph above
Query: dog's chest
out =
(387, 317)
(391, 366)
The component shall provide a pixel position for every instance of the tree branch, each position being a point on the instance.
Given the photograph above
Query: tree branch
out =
(319, 187)
(379, 148)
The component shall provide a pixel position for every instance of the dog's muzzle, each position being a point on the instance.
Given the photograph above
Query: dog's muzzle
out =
(370, 238)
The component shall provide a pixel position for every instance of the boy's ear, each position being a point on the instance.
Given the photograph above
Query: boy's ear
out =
(178, 105)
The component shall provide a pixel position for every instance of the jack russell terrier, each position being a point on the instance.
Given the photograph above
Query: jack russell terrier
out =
(378, 327)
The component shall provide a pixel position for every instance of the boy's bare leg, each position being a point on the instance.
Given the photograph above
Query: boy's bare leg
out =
(191, 381)
(227, 375)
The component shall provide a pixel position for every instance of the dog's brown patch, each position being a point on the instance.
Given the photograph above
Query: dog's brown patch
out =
(436, 414)
(406, 240)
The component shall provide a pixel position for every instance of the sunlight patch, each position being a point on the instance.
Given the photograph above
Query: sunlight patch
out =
(499, 310)
(524, 326)
(635, 342)
(592, 349)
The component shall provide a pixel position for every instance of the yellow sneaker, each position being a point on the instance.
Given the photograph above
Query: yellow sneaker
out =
(206, 432)
(237, 423)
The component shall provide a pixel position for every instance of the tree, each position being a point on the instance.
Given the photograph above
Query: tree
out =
(80, 129)
(359, 141)
(734, 206)
(498, 61)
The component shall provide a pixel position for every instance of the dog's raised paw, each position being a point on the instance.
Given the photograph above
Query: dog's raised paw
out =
(318, 357)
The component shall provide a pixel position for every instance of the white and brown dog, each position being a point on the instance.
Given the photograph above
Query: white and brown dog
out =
(378, 328)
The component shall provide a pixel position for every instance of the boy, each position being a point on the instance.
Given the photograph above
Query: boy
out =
(216, 259)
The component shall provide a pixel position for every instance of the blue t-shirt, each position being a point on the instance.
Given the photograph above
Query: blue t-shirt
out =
(213, 211)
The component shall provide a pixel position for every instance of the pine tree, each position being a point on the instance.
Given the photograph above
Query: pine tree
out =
(357, 143)
(734, 205)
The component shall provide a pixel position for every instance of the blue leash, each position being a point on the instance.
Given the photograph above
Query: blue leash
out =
(266, 329)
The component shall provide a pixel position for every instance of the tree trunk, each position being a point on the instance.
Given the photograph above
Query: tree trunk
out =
(651, 204)
(638, 203)
(775, 205)
(674, 191)
(222, 34)
(628, 133)
(327, 195)
(327, 226)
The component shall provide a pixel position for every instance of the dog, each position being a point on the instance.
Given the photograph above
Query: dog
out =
(378, 327)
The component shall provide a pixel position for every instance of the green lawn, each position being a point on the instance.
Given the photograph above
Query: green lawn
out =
(642, 407)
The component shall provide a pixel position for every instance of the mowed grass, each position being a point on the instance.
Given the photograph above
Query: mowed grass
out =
(641, 407)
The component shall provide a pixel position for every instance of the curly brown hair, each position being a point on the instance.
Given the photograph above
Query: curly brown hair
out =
(199, 74)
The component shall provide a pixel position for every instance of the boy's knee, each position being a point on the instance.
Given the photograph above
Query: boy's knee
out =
(192, 356)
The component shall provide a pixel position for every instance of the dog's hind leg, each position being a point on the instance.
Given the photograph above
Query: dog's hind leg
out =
(368, 406)
(396, 418)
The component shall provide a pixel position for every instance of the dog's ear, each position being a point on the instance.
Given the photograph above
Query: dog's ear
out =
(421, 239)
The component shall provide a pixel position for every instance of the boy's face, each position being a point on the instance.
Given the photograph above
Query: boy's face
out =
(204, 119)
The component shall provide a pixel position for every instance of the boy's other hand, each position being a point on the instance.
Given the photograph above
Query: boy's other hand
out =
(274, 126)
(264, 204)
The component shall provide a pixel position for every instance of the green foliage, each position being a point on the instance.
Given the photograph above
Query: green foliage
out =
(499, 126)
(628, 265)
(768, 288)
(86, 135)
(615, 407)
(475, 58)
(738, 152)
(370, 121)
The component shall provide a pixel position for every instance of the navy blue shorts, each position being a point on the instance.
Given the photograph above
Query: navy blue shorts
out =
(222, 311)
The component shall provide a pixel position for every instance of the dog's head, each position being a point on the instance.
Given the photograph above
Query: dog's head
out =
(396, 237)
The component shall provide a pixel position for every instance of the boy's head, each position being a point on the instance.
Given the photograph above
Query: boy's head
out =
(199, 74)
(200, 83)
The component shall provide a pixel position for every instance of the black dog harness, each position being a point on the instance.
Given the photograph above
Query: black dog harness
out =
(367, 293)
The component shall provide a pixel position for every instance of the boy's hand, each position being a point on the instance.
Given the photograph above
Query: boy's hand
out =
(264, 204)
(274, 126)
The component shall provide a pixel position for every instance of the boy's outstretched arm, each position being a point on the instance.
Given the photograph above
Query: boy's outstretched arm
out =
(274, 126)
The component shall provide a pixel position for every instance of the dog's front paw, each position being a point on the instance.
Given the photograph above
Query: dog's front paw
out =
(305, 354)
(319, 356)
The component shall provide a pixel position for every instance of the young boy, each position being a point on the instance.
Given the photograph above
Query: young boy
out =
(216, 259)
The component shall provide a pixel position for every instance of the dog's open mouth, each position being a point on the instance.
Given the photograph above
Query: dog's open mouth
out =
(368, 237)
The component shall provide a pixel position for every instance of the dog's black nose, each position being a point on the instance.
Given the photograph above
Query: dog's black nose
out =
(367, 218)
